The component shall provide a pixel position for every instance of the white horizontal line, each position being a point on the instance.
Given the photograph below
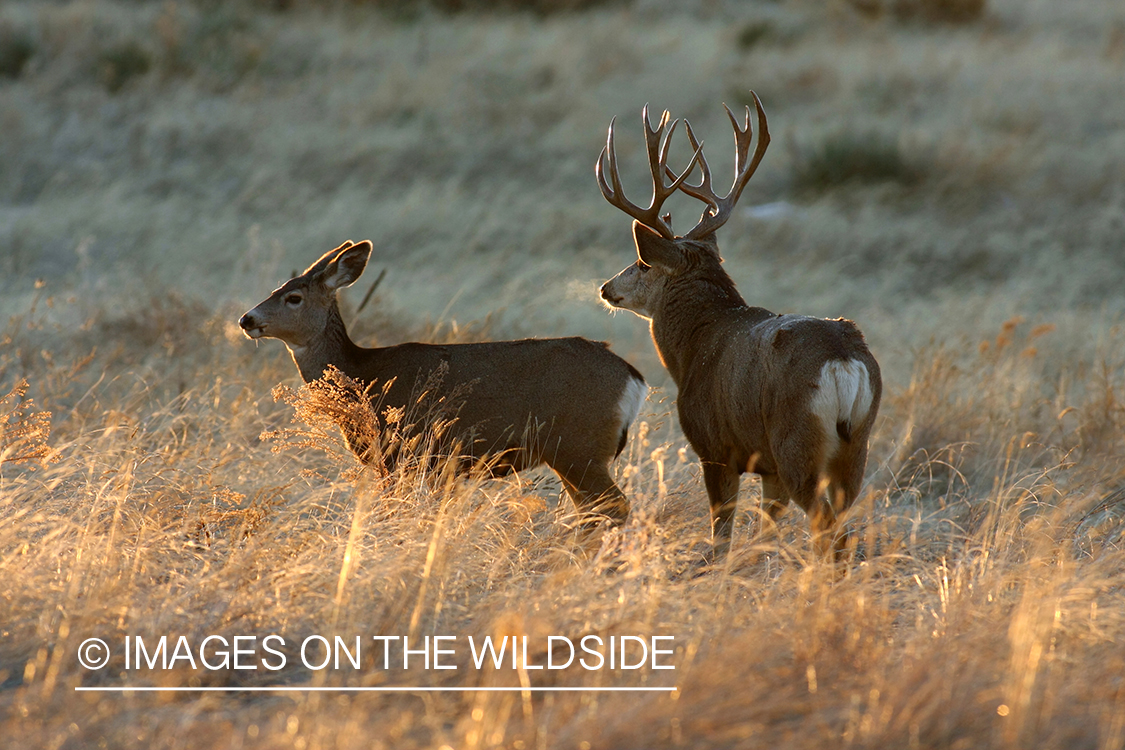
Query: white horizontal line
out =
(297, 689)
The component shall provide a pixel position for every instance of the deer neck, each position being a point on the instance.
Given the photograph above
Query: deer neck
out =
(694, 321)
(333, 347)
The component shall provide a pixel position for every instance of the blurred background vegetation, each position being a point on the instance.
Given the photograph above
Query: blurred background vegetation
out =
(930, 157)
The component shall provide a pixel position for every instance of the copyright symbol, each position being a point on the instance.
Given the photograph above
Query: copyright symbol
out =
(93, 653)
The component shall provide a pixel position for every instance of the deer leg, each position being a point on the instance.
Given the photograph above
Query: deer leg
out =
(722, 490)
(846, 478)
(596, 496)
(822, 520)
(805, 489)
(773, 503)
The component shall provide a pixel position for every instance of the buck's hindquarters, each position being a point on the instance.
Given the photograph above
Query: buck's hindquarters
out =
(819, 439)
(845, 402)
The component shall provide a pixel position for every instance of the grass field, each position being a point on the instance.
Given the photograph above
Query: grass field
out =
(957, 188)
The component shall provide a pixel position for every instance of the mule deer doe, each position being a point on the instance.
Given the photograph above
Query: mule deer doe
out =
(788, 397)
(564, 402)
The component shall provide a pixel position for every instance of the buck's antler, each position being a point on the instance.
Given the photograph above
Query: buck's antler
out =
(657, 146)
(719, 209)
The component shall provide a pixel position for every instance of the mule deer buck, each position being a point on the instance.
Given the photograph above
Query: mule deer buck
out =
(788, 397)
(565, 402)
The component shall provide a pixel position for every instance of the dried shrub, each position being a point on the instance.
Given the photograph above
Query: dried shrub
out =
(24, 431)
(384, 438)
(325, 405)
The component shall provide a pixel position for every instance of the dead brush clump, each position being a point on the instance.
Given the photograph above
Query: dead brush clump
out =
(24, 432)
(326, 406)
(381, 437)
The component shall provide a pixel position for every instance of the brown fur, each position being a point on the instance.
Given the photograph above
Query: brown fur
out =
(746, 379)
(515, 404)
(788, 397)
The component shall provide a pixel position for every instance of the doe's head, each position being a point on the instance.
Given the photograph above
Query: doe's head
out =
(300, 309)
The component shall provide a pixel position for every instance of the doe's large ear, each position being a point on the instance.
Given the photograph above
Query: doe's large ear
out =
(347, 266)
(656, 250)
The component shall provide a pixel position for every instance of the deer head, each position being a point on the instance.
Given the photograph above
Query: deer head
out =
(303, 308)
(663, 257)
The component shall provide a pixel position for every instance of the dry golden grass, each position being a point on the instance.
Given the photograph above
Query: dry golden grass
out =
(985, 606)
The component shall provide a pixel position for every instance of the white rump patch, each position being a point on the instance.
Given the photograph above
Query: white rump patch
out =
(843, 394)
(636, 391)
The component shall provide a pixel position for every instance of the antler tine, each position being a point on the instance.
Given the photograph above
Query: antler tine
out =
(661, 166)
(703, 191)
(719, 209)
(657, 145)
(608, 151)
(742, 138)
(763, 137)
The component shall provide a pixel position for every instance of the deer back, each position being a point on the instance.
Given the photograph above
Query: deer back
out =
(754, 384)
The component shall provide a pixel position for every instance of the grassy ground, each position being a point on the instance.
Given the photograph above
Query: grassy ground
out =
(957, 189)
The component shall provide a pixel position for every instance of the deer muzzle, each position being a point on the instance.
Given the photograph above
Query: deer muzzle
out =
(251, 327)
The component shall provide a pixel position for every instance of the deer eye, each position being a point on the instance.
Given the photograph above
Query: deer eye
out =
(293, 299)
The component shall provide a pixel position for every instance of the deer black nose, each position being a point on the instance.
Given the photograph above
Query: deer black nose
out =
(605, 293)
(246, 322)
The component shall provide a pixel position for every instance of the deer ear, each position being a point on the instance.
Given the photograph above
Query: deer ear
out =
(347, 266)
(656, 250)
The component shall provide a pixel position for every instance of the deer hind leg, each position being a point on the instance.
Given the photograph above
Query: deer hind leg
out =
(596, 496)
(722, 490)
(774, 500)
(845, 473)
(801, 475)
(806, 491)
